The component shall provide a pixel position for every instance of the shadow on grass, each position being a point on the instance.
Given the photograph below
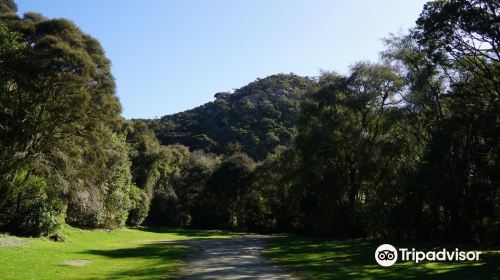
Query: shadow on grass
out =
(314, 258)
(162, 259)
(155, 259)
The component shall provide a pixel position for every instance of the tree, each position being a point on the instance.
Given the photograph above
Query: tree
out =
(462, 38)
(100, 192)
(57, 86)
(451, 66)
(342, 136)
(144, 154)
(57, 98)
(465, 33)
(259, 116)
(165, 203)
(7, 6)
(222, 202)
(273, 198)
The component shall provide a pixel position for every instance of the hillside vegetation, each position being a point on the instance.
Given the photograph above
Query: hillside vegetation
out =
(255, 119)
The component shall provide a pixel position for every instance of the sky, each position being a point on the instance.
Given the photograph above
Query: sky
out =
(172, 55)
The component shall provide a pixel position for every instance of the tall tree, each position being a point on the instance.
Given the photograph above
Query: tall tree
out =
(342, 131)
(465, 33)
(7, 6)
(57, 100)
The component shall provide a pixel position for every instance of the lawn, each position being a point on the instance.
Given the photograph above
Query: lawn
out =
(98, 254)
(313, 258)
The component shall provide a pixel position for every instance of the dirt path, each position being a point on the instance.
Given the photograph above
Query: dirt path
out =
(230, 258)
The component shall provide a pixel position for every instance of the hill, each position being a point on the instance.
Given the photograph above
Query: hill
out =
(254, 119)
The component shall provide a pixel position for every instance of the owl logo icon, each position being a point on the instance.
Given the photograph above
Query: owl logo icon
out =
(386, 255)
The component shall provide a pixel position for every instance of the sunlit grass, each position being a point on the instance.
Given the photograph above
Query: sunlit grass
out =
(127, 253)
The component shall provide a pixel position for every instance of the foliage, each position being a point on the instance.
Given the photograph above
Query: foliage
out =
(102, 200)
(223, 200)
(139, 207)
(60, 118)
(258, 117)
(37, 211)
(463, 31)
(343, 133)
(164, 206)
(7, 6)
(144, 154)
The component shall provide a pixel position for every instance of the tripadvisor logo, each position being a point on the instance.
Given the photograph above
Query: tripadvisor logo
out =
(387, 255)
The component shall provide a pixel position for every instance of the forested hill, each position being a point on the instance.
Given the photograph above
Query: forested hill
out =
(254, 119)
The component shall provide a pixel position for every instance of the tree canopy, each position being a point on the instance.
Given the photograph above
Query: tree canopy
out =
(255, 118)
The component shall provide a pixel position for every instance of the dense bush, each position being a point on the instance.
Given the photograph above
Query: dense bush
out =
(86, 209)
(140, 206)
(222, 202)
(257, 117)
(103, 200)
(37, 211)
(58, 116)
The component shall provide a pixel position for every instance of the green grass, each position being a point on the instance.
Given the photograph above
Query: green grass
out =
(313, 258)
(129, 253)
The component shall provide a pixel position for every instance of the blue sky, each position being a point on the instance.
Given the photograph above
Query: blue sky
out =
(169, 56)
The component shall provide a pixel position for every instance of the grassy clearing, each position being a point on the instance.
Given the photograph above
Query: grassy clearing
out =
(313, 258)
(128, 253)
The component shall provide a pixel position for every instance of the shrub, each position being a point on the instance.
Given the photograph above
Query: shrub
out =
(86, 209)
(140, 206)
(102, 199)
(38, 213)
